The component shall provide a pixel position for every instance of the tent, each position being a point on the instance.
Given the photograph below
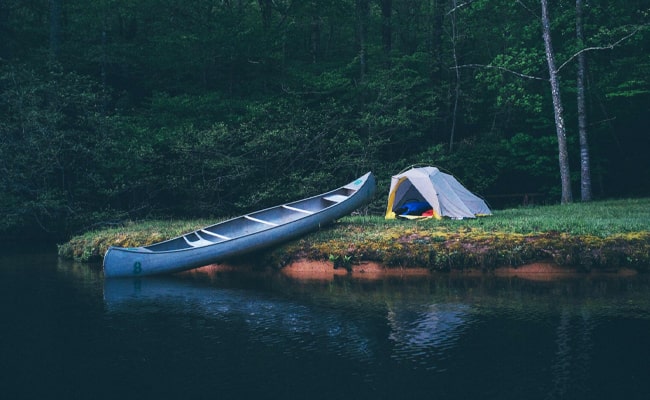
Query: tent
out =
(422, 189)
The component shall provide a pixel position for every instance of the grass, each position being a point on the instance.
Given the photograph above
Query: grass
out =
(92, 245)
(601, 234)
(603, 218)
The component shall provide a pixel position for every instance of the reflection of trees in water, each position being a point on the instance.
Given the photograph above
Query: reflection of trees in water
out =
(421, 325)
(571, 366)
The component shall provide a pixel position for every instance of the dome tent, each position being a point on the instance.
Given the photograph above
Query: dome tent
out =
(428, 188)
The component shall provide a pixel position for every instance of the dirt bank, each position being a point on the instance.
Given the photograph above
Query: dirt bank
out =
(305, 269)
(308, 269)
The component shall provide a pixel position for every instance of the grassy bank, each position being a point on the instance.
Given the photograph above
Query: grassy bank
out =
(597, 235)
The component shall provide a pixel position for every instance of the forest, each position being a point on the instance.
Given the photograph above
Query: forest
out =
(116, 110)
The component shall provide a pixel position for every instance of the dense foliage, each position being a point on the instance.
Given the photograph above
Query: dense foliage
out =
(115, 109)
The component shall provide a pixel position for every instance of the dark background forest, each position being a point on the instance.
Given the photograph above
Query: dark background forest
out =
(113, 110)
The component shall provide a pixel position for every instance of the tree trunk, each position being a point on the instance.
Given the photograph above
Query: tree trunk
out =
(386, 26)
(454, 113)
(5, 32)
(585, 168)
(315, 38)
(266, 10)
(560, 128)
(55, 27)
(363, 10)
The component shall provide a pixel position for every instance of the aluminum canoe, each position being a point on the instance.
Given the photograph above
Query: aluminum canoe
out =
(237, 236)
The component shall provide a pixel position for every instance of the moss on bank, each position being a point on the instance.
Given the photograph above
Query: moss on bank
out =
(445, 251)
(599, 235)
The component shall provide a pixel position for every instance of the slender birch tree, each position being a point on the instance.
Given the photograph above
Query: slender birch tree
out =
(560, 128)
(585, 168)
(454, 38)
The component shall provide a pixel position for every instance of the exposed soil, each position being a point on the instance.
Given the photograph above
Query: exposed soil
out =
(305, 269)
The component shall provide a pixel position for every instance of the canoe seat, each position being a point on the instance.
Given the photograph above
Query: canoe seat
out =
(335, 198)
(214, 234)
(197, 243)
(297, 209)
(261, 221)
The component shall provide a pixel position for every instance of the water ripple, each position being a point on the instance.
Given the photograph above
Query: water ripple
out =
(422, 333)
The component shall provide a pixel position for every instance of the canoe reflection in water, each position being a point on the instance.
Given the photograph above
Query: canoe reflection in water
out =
(414, 329)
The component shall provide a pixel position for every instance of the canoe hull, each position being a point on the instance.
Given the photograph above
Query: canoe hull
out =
(142, 261)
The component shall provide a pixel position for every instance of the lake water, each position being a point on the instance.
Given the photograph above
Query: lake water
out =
(66, 333)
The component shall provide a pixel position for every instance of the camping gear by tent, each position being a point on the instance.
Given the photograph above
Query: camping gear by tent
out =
(418, 190)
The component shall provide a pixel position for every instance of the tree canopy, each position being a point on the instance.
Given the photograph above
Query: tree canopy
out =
(117, 109)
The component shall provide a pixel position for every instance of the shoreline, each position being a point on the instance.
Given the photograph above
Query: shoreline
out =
(599, 237)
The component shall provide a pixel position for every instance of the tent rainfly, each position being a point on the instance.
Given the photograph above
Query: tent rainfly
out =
(426, 188)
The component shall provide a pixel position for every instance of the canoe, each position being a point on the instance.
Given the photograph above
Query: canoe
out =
(237, 236)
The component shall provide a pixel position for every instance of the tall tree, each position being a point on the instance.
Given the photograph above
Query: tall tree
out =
(585, 168)
(266, 9)
(363, 10)
(5, 32)
(386, 26)
(558, 110)
(55, 27)
(454, 39)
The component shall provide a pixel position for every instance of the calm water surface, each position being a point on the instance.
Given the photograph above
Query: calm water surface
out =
(67, 333)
